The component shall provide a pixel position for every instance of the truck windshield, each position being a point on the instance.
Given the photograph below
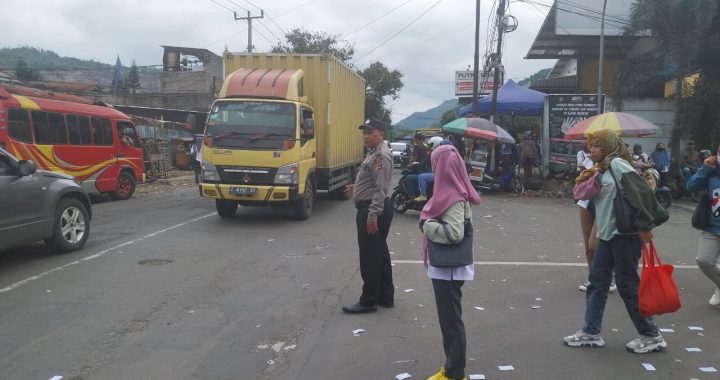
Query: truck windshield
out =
(251, 124)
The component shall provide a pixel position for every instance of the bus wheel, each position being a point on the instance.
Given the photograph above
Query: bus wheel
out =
(125, 187)
(304, 205)
(226, 208)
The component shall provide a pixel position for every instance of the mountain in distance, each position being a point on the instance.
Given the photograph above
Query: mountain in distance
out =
(427, 118)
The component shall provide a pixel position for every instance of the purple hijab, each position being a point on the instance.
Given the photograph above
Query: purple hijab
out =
(451, 185)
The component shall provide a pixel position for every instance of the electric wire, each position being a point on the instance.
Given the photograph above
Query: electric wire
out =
(377, 19)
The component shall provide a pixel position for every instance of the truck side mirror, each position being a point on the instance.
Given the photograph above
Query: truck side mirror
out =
(308, 128)
(26, 167)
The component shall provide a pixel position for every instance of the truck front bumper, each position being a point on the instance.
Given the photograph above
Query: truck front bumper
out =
(250, 194)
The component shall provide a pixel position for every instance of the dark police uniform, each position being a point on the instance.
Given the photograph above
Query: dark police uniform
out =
(371, 195)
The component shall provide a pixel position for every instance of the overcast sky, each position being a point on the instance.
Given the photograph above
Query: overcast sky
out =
(427, 51)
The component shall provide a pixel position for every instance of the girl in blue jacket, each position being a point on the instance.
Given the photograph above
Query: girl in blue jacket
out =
(708, 251)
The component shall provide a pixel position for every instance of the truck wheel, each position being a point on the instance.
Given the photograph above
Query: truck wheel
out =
(226, 208)
(399, 200)
(71, 226)
(125, 187)
(304, 205)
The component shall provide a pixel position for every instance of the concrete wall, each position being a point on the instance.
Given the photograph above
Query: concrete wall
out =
(186, 101)
(193, 81)
(660, 112)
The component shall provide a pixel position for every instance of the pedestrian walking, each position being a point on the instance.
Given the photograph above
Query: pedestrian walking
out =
(529, 155)
(615, 251)
(708, 251)
(587, 210)
(196, 156)
(442, 220)
(374, 215)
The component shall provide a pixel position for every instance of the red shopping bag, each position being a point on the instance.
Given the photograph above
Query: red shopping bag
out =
(658, 293)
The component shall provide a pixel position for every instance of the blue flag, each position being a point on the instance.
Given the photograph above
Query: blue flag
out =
(119, 77)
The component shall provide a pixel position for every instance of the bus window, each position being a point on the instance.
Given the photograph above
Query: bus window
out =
(58, 132)
(19, 125)
(41, 128)
(127, 133)
(102, 131)
(85, 130)
(74, 129)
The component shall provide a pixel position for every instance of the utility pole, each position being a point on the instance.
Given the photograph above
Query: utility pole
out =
(601, 59)
(249, 20)
(476, 77)
(498, 58)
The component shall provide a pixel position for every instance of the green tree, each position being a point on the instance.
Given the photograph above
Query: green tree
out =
(677, 27)
(25, 73)
(302, 41)
(380, 83)
(132, 81)
(448, 116)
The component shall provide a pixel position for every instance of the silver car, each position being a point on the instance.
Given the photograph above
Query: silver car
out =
(40, 205)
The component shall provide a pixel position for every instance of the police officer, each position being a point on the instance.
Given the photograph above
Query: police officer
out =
(374, 215)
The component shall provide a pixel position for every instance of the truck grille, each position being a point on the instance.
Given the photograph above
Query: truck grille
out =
(246, 175)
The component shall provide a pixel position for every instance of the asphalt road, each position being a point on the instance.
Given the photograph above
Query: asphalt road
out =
(165, 289)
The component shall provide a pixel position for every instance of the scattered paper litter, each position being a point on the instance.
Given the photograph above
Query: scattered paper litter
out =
(506, 368)
(701, 334)
(403, 376)
(403, 361)
(692, 349)
(696, 328)
(487, 216)
(270, 240)
(512, 307)
(615, 330)
(477, 376)
(258, 326)
(290, 347)
(667, 330)
(648, 367)
(535, 307)
(397, 233)
(56, 378)
(49, 291)
(538, 299)
(479, 308)
(420, 305)
(409, 290)
(357, 332)
(707, 369)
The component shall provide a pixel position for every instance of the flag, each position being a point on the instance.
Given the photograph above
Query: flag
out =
(119, 76)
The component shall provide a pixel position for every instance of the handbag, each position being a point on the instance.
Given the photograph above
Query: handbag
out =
(699, 216)
(658, 293)
(457, 254)
(625, 213)
(588, 189)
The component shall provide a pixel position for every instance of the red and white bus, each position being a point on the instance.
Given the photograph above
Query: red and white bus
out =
(97, 145)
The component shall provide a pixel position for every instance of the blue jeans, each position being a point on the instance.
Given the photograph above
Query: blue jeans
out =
(622, 253)
(423, 179)
(411, 185)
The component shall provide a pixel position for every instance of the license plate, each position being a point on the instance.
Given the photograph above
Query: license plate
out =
(243, 190)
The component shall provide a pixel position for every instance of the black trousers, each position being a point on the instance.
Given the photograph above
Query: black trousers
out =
(375, 266)
(449, 308)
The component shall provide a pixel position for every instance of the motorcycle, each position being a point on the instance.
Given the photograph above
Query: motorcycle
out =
(401, 200)
(662, 193)
(404, 159)
(506, 179)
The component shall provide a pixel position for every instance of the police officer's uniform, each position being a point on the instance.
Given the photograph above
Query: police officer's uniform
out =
(371, 195)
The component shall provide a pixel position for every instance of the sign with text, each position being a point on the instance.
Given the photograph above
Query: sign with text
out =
(464, 84)
(566, 110)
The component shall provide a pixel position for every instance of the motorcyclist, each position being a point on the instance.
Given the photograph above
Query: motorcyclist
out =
(420, 161)
(424, 178)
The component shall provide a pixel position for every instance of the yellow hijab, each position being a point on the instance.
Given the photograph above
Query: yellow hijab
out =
(611, 146)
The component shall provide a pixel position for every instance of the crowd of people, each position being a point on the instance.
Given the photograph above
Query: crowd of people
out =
(605, 165)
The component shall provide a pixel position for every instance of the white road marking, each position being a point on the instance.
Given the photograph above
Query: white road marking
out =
(529, 264)
(96, 255)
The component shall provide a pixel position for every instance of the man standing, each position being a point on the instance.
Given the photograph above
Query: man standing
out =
(528, 155)
(691, 161)
(374, 215)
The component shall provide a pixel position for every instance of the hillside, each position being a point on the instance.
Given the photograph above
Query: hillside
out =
(427, 118)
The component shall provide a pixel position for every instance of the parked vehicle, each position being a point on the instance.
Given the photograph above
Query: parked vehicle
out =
(486, 174)
(41, 205)
(284, 127)
(400, 199)
(397, 148)
(97, 145)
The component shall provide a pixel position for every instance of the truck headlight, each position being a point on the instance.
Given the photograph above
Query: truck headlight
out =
(287, 174)
(210, 173)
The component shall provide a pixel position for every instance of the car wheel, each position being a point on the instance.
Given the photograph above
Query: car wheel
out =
(71, 226)
(226, 208)
(125, 187)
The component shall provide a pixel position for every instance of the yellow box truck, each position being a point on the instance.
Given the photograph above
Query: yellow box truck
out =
(284, 127)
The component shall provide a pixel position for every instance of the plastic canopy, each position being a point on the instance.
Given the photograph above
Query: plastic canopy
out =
(512, 99)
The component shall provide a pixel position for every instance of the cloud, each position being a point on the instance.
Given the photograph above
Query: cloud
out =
(427, 52)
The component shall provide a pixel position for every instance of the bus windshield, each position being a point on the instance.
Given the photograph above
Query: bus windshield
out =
(251, 124)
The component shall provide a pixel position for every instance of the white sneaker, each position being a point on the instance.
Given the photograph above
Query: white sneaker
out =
(613, 287)
(584, 287)
(645, 344)
(715, 299)
(583, 339)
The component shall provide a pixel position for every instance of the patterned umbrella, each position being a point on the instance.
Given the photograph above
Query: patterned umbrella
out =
(478, 127)
(624, 124)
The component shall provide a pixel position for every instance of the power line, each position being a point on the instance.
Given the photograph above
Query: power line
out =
(428, 40)
(399, 31)
(373, 21)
